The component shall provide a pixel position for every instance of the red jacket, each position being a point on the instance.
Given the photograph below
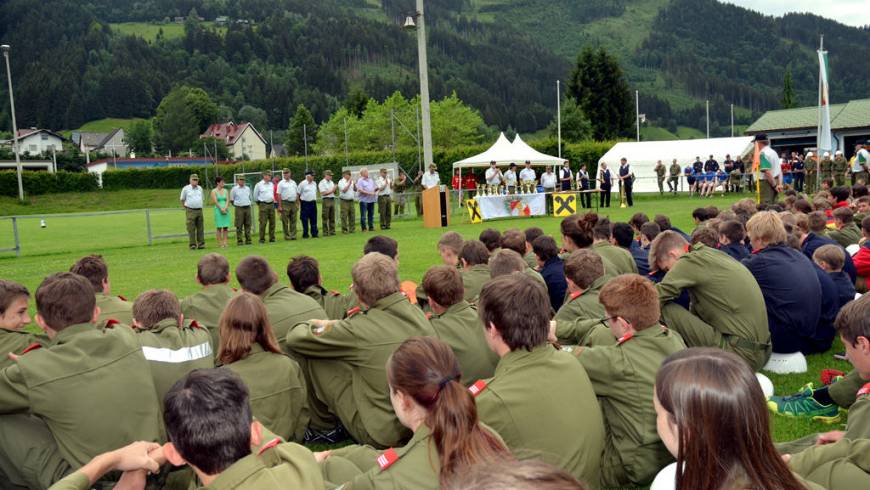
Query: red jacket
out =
(455, 183)
(862, 262)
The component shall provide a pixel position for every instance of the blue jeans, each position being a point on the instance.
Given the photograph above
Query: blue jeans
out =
(308, 213)
(367, 209)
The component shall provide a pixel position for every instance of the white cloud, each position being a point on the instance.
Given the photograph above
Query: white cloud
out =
(850, 12)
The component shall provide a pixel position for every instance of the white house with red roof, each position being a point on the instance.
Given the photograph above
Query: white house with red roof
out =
(242, 140)
(39, 141)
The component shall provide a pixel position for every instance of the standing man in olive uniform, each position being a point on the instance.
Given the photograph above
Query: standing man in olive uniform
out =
(514, 311)
(304, 274)
(475, 268)
(346, 193)
(674, 177)
(826, 167)
(840, 168)
(400, 187)
(56, 402)
(811, 168)
(288, 207)
(384, 186)
(722, 314)
(240, 195)
(660, 177)
(264, 194)
(191, 200)
(456, 322)
(327, 198)
(345, 359)
(96, 271)
(206, 305)
(584, 272)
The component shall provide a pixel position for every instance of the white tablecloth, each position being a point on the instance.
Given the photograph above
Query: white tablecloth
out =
(514, 205)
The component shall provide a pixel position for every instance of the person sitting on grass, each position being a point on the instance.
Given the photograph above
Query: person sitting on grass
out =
(516, 240)
(648, 232)
(449, 248)
(584, 273)
(577, 235)
(810, 230)
(623, 236)
(731, 236)
(475, 268)
(428, 399)
(96, 271)
(830, 258)
(304, 274)
(529, 474)
(665, 225)
(506, 262)
(491, 238)
(706, 235)
(847, 232)
(552, 269)
(529, 256)
(711, 417)
(862, 258)
(249, 348)
(602, 235)
(206, 305)
(13, 319)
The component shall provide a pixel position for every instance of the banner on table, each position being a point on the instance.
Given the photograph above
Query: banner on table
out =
(564, 204)
(473, 211)
(507, 206)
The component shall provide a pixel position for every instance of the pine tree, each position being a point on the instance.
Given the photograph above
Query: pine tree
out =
(600, 90)
(787, 101)
(294, 143)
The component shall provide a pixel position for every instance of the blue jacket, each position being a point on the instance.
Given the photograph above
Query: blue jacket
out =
(681, 233)
(792, 295)
(641, 258)
(845, 287)
(736, 250)
(553, 273)
(830, 306)
(813, 241)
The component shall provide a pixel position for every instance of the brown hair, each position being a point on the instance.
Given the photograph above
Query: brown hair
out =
(213, 269)
(733, 231)
(633, 298)
(583, 267)
(518, 307)
(817, 221)
(65, 299)
(714, 400)
(802, 223)
(516, 475)
(531, 233)
(803, 206)
(374, 277)
(767, 227)
(603, 229)
(506, 262)
(579, 229)
(382, 244)
(303, 272)
(637, 220)
(844, 215)
(94, 269)
(650, 230)
(747, 205)
(831, 254)
(820, 203)
(545, 248)
(154, 306)
(244, 322)
(514, 240)
(474, 252)
(452, 241)
(255, 275)
(9, 292)
(426, 369)
(490, 238)
(663, 221)
(443, 284)
(663, 244)
(706, 235)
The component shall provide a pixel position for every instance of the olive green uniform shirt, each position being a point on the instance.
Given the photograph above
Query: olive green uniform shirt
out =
(623, 377)
(619, 257)
(826, 168)
(206, 306)
(287, 308)
(333, 303)
(542, 404)
(840, 166)
(675, 170)
(473, 280)
(172, 352)
(844, 465)
(92, 387)
(531, 259)
(582, 305)
(460, 328)
(364, 341)
(277, 391)
(114, 308)
(15, 341)
(534, 275)
(847, 235)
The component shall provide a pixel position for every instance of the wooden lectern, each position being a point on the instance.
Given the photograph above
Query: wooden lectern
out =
(436, 207)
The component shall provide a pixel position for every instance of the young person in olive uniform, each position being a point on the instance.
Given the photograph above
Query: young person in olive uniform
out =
(674, 177)
(277, 387)
(206, 305)
(96, 271)
(727, 307)
(660, 176)
(840, 167)
(286, 307)
(172, 346)
(847, 232)
(621, 258)
(304, 274)
(475, 268)
(430, 401)
(584, 272)
(526, 401)
(345, 359)
(13, 319)
(456, 322)
(57, 402)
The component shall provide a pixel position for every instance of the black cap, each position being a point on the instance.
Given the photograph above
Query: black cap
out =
(760, 137)
(309, 172)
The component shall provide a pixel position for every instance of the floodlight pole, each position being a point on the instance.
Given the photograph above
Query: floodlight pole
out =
(708, 119)
(424, 85)
(732, 120)
(637, 112)
(558, 119)
(5, 49)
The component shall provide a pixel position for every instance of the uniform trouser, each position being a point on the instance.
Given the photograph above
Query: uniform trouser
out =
(673, 184)
(616, 473)
(308, 213)
(811, 183)
(366, 214)
(840, 179)
(399, 204)
(327, 213)
(289, 212)
(266, 216)
(629, 197)
(243, 224)
(332, 388)
(549, 200)
(29, 456)
(698, 333)
(768, 193)
(348, 216)
(585, 198)
(661, 182)
(384, 215)
(418, 203)
(195, 229)
(842, 473)
(604, 197)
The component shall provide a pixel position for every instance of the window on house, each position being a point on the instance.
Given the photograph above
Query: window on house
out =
(31, 148)
(44, 137)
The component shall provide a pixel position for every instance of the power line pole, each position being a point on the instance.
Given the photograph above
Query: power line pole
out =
(424, 85)
(559, 117)
(637, 112)
(732, 120)
(708, 119)
(5, 49)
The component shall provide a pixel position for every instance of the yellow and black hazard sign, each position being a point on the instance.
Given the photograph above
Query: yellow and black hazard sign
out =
(473, 211)
(564, 204)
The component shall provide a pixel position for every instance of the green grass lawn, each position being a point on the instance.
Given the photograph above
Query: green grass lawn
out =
(149, 30)
(104, 125)
(136, 267)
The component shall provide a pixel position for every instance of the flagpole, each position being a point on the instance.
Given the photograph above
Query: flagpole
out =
(819, 123)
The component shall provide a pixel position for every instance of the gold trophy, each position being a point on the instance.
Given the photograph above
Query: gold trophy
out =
(478, 191)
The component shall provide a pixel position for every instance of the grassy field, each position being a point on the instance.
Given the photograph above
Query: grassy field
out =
(149, 30)
(104, 125)
(136, 267)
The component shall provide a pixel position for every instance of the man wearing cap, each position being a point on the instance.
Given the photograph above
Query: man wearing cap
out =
(861, 164)
(431, 178)
(493, 175)
(385, 198)
(346, 193)
(240, 195)
(307, 190)
(527, 175)
(191, 199)
(288, 207)
(264, 194)
(840, 168)
(826, 167)
(770, 166)
(811, 168)
(327, 195)
(510, 179)
(368, 195)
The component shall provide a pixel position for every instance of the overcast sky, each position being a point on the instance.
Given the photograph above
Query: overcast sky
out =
(850, 12)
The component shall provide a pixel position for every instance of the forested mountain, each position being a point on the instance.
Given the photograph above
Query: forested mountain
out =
(75, 61)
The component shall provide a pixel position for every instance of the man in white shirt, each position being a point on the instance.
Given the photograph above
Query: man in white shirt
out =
(327, 195)
(288, 206)
(307, 190)
(493, 175)
(431, 178)
(770, 166)
(861, 164)
(191, 199)
(384, 185)
(510, 179)
(565, 176)
(346, 194)
(548, 182)
(527, 175)
(240, 195)
(264, 194)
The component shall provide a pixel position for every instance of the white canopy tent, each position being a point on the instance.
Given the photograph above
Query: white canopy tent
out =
(503, 152)
(642, 156)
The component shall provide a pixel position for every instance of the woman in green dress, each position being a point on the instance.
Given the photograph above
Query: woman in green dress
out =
(220, 198)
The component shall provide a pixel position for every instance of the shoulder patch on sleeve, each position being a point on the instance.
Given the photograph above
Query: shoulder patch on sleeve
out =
(625, 338)
(32, 347)
(864, 390)
(269, 445)
(387, 458)
(477, 387)
(353, 311)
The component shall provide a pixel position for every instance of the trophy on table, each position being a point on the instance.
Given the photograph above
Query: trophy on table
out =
(478, 191)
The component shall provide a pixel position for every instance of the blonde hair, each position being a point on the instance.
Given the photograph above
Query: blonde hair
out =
(767, 227)
(374, 277)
